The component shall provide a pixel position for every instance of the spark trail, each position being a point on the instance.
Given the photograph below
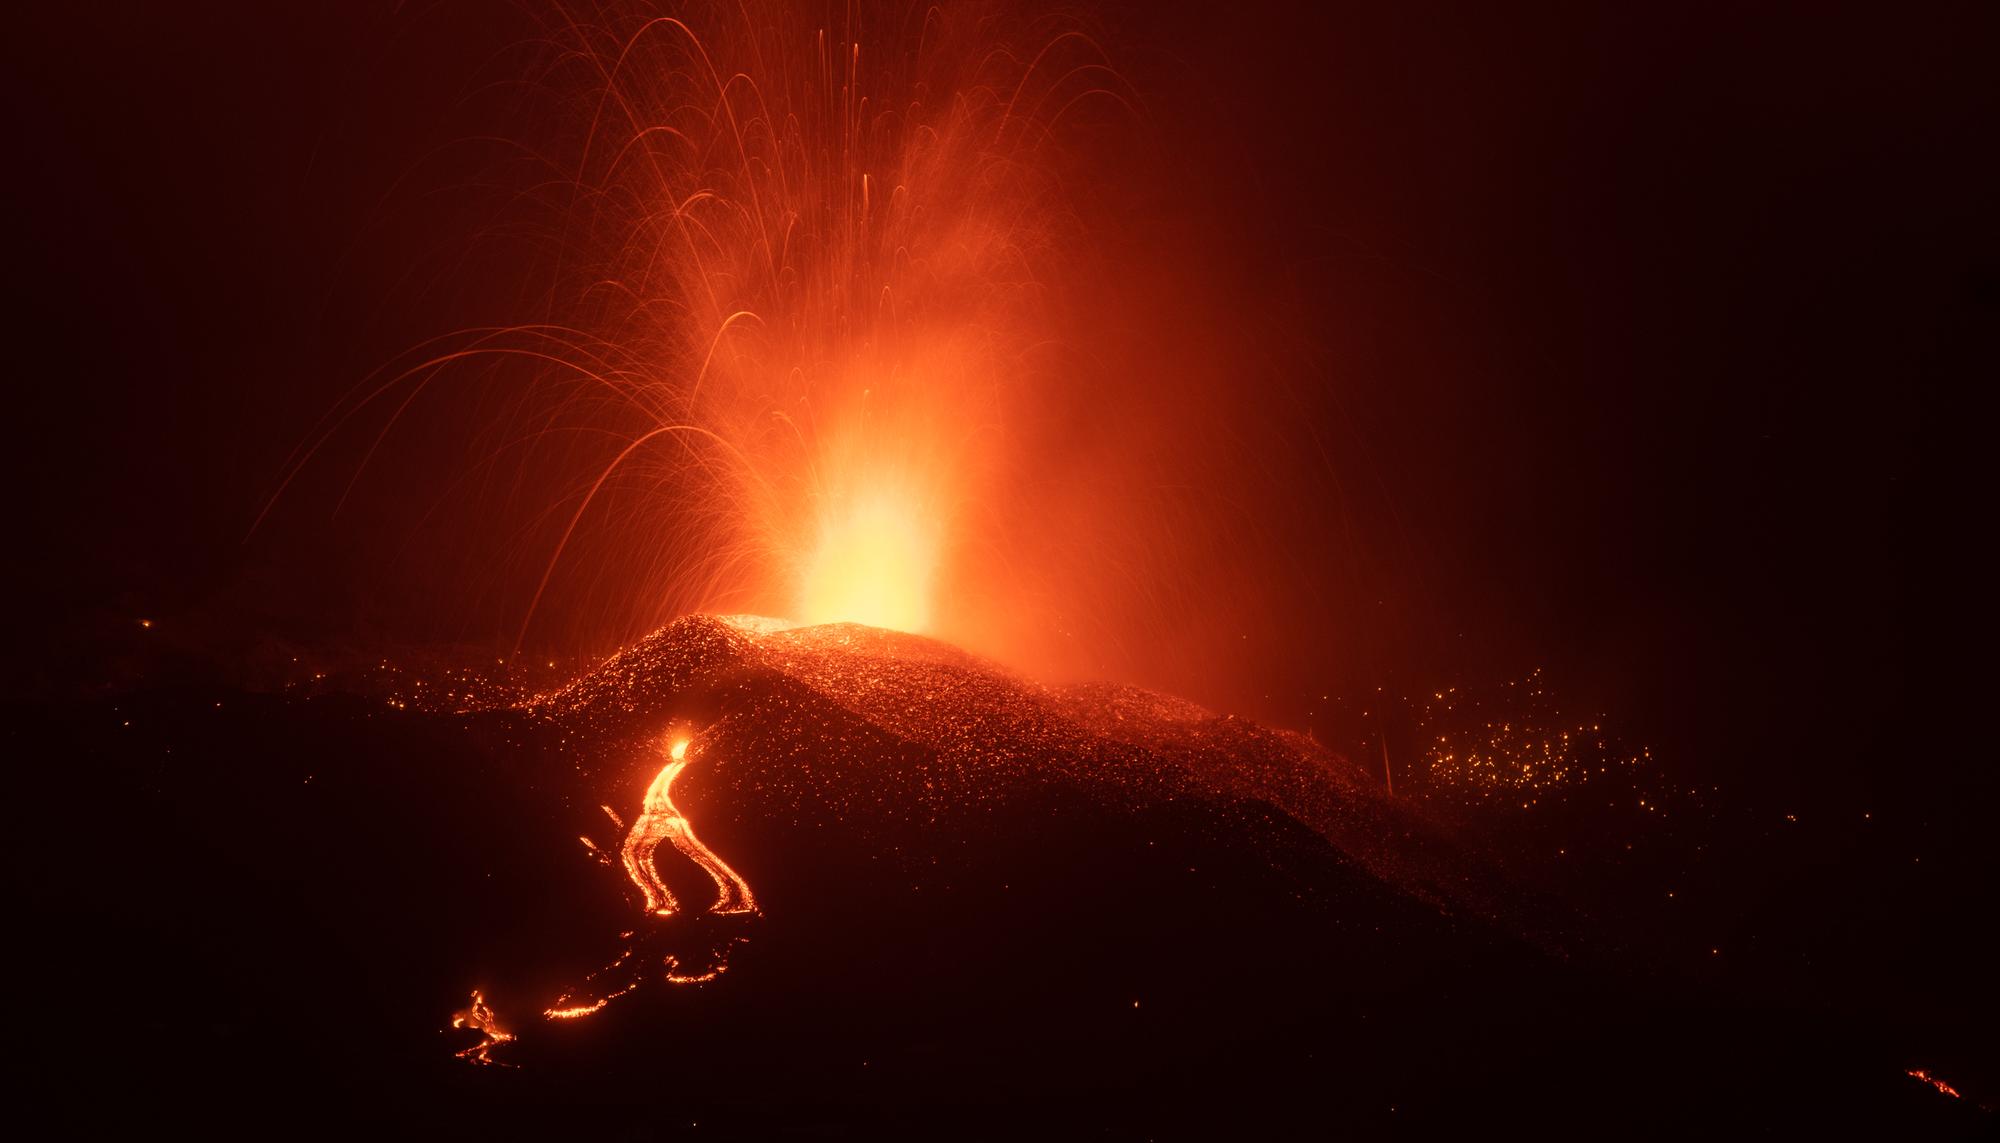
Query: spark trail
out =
(814, 278)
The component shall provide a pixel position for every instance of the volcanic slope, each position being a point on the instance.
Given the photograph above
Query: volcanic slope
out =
(879, 737)
(984, 884)
(882, 887)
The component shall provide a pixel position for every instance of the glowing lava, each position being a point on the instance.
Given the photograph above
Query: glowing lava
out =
(676, 976)
(659, 821)
(567, 1011)
(479, 1017)
(874, 565)
(1942, 1087)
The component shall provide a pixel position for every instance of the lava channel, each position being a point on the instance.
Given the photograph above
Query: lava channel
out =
(660, 821)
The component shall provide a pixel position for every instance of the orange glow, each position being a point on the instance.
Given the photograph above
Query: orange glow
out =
(479, 1017)
(1942, 1087)
(577, 1011)
(659, 821)
(565, 1009)
(874, 564)
(832, 338)
(676, 976)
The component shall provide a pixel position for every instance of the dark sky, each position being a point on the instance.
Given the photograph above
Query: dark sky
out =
(1648, 332)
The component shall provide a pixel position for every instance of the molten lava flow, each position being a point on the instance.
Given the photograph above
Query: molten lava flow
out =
(568, 1007)
(676, 976)
(565, 1010)
(660, 821)
(479, 1017)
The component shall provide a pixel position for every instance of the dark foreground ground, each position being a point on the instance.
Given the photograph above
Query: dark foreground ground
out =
(985, 909)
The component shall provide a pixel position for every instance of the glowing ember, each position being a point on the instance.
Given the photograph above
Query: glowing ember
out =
(479, 1017)
(1942, 1087)
(1513, 745)
(676, 976)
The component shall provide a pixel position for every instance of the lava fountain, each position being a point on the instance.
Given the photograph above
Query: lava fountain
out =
(822, 296)
(809, 259)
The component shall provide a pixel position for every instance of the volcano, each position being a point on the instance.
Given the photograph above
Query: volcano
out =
(822, 879)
